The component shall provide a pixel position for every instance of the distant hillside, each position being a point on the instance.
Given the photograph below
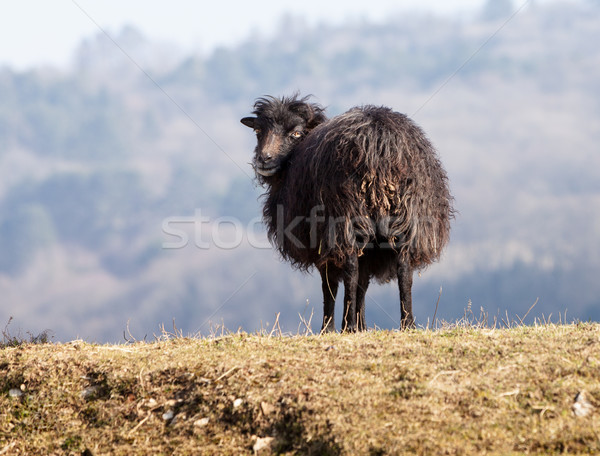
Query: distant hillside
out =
(100, 165)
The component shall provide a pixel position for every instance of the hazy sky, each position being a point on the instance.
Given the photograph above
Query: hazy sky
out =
(34, 32)
(42, 31)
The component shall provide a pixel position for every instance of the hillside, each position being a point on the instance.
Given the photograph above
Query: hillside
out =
(461, 390)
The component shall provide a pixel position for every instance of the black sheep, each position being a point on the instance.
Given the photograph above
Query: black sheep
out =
(362, 195)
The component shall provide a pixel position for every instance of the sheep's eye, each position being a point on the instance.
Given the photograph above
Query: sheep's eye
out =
(257, 130)
(296, 134)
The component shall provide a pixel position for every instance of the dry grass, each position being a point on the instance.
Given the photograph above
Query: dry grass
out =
(450, 391)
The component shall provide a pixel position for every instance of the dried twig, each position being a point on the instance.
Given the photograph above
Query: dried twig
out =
(276, 324)
(137, 426)
(228, 373)
(306, 323)
(7, 448)
(433, 322)
(524, 316)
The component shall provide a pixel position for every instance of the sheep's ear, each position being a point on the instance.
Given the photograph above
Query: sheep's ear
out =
(312, 113)
(249, 122)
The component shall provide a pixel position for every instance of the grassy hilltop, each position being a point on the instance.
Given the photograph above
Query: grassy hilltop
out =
(452, 391)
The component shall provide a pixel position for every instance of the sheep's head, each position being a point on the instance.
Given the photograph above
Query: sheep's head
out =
(280, 124)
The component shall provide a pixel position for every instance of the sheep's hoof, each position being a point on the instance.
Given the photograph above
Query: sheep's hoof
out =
(328, 327)
(408, 323)
(362, 325)
(349, 329)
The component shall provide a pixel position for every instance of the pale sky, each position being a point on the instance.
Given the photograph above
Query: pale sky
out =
(36, 32)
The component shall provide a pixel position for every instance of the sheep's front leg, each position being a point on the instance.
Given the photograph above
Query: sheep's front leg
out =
(350, 284)
(330, 288)
(405, 280)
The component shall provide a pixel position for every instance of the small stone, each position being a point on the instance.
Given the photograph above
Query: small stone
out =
(89, 391)
(15, 392)
(262, 443)
(201, 422)
(266, 408)
(168, 415)
(581, 406)
(237, 403)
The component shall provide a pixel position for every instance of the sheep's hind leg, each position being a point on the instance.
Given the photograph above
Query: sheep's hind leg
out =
(330, 287)
(405, 279)
(361, 291)
(351, 273)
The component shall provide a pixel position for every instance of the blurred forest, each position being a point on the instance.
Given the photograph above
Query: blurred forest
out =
(95, 159)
